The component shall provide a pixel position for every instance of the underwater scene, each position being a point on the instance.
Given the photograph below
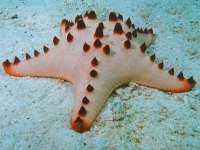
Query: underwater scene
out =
(99, 75)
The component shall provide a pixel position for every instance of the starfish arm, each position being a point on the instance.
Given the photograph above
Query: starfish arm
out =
(90, 98)
(146, 72)
(164, 81)
(56, 62)
(134, 65)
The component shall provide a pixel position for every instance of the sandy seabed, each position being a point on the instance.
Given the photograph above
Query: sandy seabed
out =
(34, 113)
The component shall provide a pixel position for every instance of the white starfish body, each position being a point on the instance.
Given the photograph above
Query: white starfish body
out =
(97, 57)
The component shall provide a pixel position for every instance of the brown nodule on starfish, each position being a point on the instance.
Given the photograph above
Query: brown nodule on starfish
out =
(77, 18)
(94, 62)
(160, 65)
(81, 24)
(69, 37)
(27, 56)
(128, 22)
(134, 33)
(79, 121)
(93, 73)
(150, 31)
(6, 63)
(71, 23)
(171, 71)
(66, 27)
(90, 88)
(118, 28)
(55, 40)
(92, 15)
(133, 26)
(143, 48)
(112, 16)
(45, 49)
(101, 25)
(97, 43)
(16, 60)
(82, 111)
(191, 80)
(99, 32)
(36, 53)
(86, 47)
(153, 57)
(145, 30)
(66, 24)
(85, 100)
(127, 44)
(106, 49)
(180, 76)
(120, 17)
(64, 21)
(128, 35)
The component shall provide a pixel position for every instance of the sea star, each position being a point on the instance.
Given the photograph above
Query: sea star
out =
(97, 57)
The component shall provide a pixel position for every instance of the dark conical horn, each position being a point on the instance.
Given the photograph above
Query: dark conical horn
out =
(27, 56)
(16, 60)
(112, 16)
(118, 28)
(6, 63)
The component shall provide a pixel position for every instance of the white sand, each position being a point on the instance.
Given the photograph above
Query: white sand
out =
(34, 113)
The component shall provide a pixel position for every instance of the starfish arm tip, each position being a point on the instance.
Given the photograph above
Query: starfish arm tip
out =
(79, 125)
(8, 68)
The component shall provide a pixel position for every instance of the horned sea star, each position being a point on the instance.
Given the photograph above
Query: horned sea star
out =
(97, 57)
